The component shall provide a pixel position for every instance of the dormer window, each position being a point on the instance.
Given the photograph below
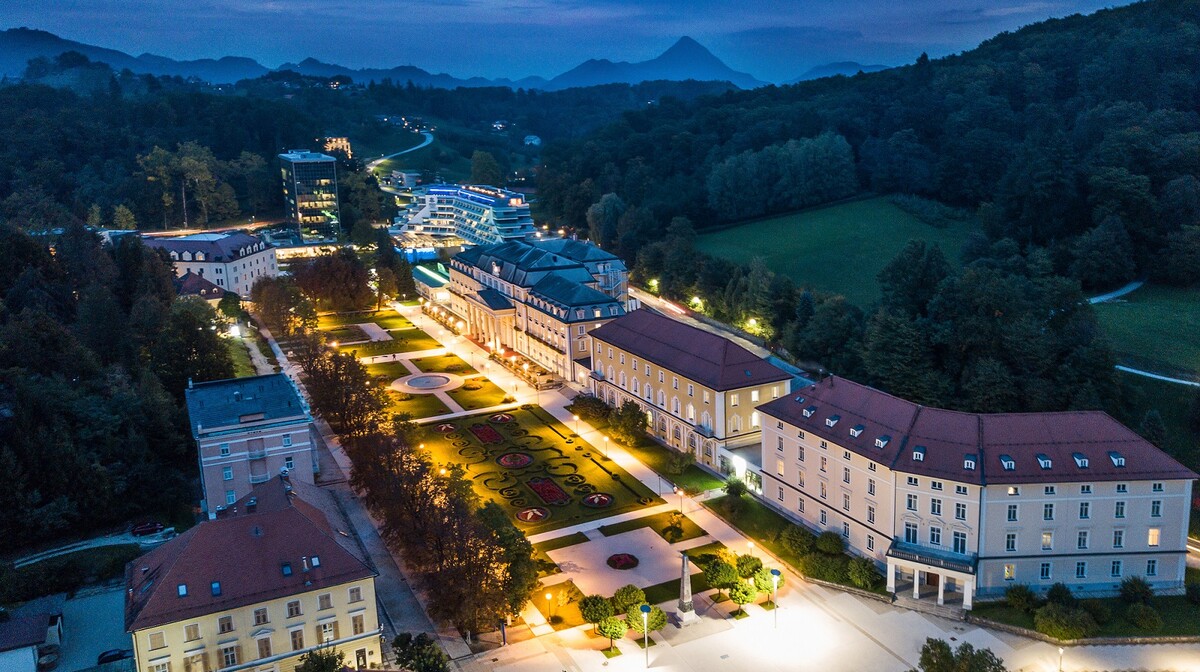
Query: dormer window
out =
(1044, 461)
(832, 420)
(216, 588)
(1008, 463)
(1118, 460)
(199, 256)
(182, 588)
(919, 454)
(316, 561)
(799, 400)
(856, 431)
(808, 412)
(286, 568)
(881, 442)
(1081, 460)
(969, 462)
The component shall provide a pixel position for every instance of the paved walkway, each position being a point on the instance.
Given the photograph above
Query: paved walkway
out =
(1118, 293)
(1157, 376)
(374, 332)
(425, 143)
(262, 366)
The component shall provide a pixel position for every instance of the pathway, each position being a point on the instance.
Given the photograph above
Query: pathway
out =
(371, 165)
(1117, 293)
(262, 366)
(1156, 376)
(374, 332)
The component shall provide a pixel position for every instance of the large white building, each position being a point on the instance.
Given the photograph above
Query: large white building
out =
(479, 215)
(960, 505)
(231, 261)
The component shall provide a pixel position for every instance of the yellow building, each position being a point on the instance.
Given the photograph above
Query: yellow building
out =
(699, 390)
(274, 577)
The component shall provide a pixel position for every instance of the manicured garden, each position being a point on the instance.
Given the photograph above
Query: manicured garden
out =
(330, 320)
(446, 363)
(477, 393)
(415, 405)
(669, 525)
(407, 340)
(533, 467)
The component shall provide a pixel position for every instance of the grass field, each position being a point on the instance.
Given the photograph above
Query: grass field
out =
(329, 320)
(1155, 328)
(658, 522)
(418, 406)
(839, 248)
(393, 140)
(444, 364)
(488, 394)
(240, 354)
(532, 462)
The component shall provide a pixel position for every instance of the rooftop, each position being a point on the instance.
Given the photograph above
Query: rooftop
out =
(305, 155)
(216, 247)
(709, 359)
(568, 294)
(525, 264)
(282, 539)
(193, 284)
(981, 448)
(239, 401)
(20, 632)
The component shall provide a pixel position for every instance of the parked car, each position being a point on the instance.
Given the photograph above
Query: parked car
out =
(151, 527)
(113, 655)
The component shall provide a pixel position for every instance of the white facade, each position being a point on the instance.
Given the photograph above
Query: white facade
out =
(479, 215)
(231, 261)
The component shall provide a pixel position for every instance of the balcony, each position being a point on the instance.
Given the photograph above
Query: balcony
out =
(934, 557)
(259, 478)
(256, 453)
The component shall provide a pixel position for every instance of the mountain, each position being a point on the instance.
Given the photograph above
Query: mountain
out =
(405, 73)
(847, 68)
(686, 59)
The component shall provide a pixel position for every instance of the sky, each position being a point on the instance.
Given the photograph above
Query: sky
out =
(774, 40)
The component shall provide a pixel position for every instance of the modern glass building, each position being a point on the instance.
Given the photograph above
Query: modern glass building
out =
(310, 188)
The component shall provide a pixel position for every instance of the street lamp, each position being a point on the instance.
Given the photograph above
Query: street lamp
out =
(752, 548)
(775, 589)
(548, 598)
(1060, 655)
(606, 447)
(576, 424)
(645, 609)
(679, 491)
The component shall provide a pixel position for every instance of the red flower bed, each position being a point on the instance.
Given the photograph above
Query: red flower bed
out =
(501, 418)
(515, 460)
(486, 434)
(598, 500)
(549, 491)
(622, 561)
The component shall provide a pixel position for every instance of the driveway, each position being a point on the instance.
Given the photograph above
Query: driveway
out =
(93, 622)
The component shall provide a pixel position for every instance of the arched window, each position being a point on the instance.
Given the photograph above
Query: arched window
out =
(610, 373)
(677, 433)
(754, 419)
(635, 387)
(622, 379)
(662, 424)
(706, 420)
(691, 413)
(675, 405)
(662, 398)
(735, 424)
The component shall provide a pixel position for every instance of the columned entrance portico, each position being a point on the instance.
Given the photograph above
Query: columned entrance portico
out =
(931, 571)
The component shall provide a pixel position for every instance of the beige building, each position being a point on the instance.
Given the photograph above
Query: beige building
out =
(272, 578)
(699, 390)
(247, 431)
(958, 505)
(231, 261)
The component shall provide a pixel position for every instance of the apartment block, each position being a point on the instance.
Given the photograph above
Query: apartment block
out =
(231, 261)
(310, 190)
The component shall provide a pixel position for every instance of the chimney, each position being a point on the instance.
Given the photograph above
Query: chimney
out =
(304, 560)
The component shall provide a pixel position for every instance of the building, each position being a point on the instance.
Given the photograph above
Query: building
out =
(339, 145)
(533, 141)
(699, 389)
(27, 640)
(965, 504)
(274, 577)
(310, 188)
(247, 431)
(231, 261)
(539, 299)
(194, 284)
(478, 215)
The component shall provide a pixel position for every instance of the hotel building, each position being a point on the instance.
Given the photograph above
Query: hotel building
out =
(479, 215)
(247, 431)
(699, 390)
(231, 261)
(964, 504)
(310, 188)
(276, 576)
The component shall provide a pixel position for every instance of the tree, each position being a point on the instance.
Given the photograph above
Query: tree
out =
(742, 593)
(628, 423)
(863, 573)
(603, 218)
(190, 347)
(519, 569)
(485, 169)
(912, 277)
(798, 539)
(322, 659)
(594, 609)
(673, 532)
(1152, 428)
(720, 575)
(830, 543)
(735, 493)
(656, 620)
(419, 654)
(1021, 597)
(590, 408)
(748, 565)
(1136, 590)
(627, 596)
(1104, 255)
(338, 281)
(937, 656)
(613, 628)
(230, 306)
(765, 582)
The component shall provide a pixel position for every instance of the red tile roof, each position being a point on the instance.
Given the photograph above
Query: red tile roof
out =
(1043, 447)
(245, 550)
(709, 359)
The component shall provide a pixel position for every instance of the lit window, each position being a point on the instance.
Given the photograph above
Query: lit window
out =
(1010, 572)
(1047, 541)
(1152, 537)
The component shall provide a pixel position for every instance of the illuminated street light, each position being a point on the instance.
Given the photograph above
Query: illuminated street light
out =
(576, 424)
(1060, 655)
(775, 573)
(679, 491)
(606, 447)
(646, 632)
(548, 597)
(752, 548)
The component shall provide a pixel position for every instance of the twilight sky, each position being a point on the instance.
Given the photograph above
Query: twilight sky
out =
(774, 40)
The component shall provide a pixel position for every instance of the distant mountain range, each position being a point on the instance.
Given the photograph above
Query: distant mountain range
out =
(686, 59)
(847, 68)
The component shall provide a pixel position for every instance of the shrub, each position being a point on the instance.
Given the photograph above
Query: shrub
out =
(1060, 594)
(1193, 593)
(798, 540)
(472, 385)
(628, 423)
(627, 596)
(1098, 610)
(589, 408)
(1020, 596)
(1135, 590)
(863, 573)
(748, 565)
(656, 620)
(1064, 622)
(1144, 617)
(831, 568)
(508, 399)
(830, 543)
(678, 462)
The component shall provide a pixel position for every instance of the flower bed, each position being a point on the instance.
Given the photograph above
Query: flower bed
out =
(622, 561)
(515, 460)
(548, 491)
(501, 418)
(598, 500)
(486, 434)
(534, 514)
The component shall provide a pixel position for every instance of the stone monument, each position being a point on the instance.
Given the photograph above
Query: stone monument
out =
(687, 612)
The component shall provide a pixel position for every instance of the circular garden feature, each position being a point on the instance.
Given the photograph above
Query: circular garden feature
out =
(533, 514)
(622, 561)
(598, 500)
(501, 418)
(445, 428)
(515, 460)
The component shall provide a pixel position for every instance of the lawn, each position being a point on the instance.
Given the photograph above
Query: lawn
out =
(669, 590)
(527, 462)
(407, 340)
(391, 140)
(563, 605)
(240, 354)
(658, 522)
(1179, 617)
(338, 319)
(1155, 328)
(444, 364)
(694, 479)
(489, 394)
(387, 371)
(64, 573)
(392, 321)
(817, 247)
(346, 333)
(418, 405)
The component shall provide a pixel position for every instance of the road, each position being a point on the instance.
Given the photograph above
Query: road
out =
(1117, 293)
(371, 165)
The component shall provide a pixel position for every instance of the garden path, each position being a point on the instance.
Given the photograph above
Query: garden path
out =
(374, 332)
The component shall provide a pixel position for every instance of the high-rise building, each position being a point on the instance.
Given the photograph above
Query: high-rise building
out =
(310, 187)
(477, 214)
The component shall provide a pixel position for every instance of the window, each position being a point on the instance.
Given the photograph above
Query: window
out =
(846, 530)
(324, 601)
(229, 656)
(260, 616)
(935, 507)
(1012, 513)
(158, 640)
(910, 533)
(1081, 570)
(870, 466)
(297, 639)
(800, 453)
(1122, 487)
(1156, 487)
(293, 609)
(181, 589)
(1010, 572)
(1119, 510)
(960, 489)
(289, 463)
(779, 443)
(846, 455)
(960, 511)
(225, 624)
(1048, 512)
(674, 383)
(960, 542)
(733, 399)
(1047, 541)
(1115, 571)
(871, 514)
(1051, 490)
(845, 474)
(912, 503)
(1045, 571)
(230, 497)
(1152, 568)
(824, 462)
(1085, 489)
(1013, 491)
(845, 502)
(822, 491)
(216, 588)
(1081, 541)
(754, 419)
(328, 632)
(1152, 537)
(224, 449)
(191, 632)
(935, 536)
(870, 486)
(912, 480)
(356, 624)
(1085, 510)
(800, 505)
(800, 479)
(1156, 508)
(935, 485)
(779, 466)
(1010, 542)
(824, 445)
(870, 542)
(780, 495)
(227, 474)
(1118, 538)
(264, 647)
(824, 517)
(287, 440)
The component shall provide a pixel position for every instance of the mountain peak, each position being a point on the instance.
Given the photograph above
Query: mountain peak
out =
(687, 47)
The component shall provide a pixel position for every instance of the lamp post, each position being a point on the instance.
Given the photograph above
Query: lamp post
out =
(679, 491)
(606, 447)
(549, 596)
(645, 609)
(752, 549)
(774, 590)
(1060, 655)
(576, 417)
